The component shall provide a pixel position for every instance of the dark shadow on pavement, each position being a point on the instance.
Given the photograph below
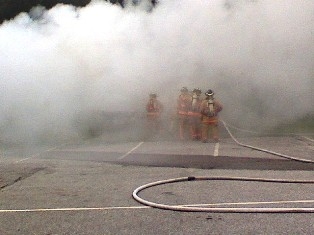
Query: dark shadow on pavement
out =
(212, 162)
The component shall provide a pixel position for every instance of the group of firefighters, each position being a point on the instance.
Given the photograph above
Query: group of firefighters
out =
(196, 116)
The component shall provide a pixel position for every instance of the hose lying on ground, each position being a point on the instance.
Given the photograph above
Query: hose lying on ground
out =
(229, 210)
(217, 209)
(264, 150)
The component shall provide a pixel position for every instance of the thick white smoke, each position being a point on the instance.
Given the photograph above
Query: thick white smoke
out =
(258, 57)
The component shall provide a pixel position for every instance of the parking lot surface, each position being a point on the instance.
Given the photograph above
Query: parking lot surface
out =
(86, 187)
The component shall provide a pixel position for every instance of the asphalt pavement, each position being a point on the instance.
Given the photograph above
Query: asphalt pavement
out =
(86, 187)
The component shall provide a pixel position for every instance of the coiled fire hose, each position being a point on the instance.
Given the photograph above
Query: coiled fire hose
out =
(218, 209)
(188, 208)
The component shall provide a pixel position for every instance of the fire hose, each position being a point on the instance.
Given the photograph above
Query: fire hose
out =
(188, 208)
(264, 150)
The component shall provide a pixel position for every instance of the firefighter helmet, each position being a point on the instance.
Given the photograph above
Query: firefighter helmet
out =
(197, 90)
(152, 95)
(209, 93)
(184, 89)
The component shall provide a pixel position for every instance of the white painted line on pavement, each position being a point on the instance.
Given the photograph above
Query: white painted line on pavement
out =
(76, 209)
(308, 138)
(38, 154)
(123, 156)
(145, 207)
(216, 150)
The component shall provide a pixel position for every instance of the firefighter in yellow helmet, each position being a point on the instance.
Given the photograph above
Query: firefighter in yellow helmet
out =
(194, 114)
(183, 104)
(210, 108)
(154, 109)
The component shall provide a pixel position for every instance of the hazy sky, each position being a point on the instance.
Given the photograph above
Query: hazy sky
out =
(258, 57)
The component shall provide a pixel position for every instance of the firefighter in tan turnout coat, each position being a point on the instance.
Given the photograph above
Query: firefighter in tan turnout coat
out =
(183, 105)
(210, 108)
(154, 109)
(195, 114)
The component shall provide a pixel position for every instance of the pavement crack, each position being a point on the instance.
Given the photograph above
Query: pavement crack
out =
(20, 178)
(11, 183)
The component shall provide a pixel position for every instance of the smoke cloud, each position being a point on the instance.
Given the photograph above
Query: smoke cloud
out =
(61, 64)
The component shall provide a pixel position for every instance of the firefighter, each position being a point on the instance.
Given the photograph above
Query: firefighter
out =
(154, 109)
(194, 114)
(183, 104)
(210, 108)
